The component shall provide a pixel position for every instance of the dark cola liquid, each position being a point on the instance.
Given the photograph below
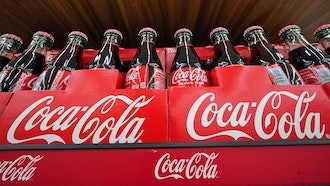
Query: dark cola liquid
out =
(225, 54)
(145, 70)
(327, 50)
(304, 57)
(3, 62)
(264, 54)
(186, 57)
(28, 63)
(67, 60)
(107, 58)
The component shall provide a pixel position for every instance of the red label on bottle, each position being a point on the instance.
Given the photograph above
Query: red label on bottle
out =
(144, 77)
(277, 75)
(25, 81)
(315, 75)
(60, 80)
(190, 77)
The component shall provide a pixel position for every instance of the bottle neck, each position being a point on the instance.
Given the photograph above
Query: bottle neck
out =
(183, 40)
(262, 51)
(8, 47)
(70, 56)
(111, 39)
(255, 36)
(39, 44)
(224, 52)
(147, 46)
(217, 38)
(294, 39)
(186, 55)
(107, 56)
(146, 53)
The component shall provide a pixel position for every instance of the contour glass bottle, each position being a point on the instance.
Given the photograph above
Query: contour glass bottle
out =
(21, 72)
(145, 70)
(312, 63)
(108, 56)
(9, 44)
(57, 72)
(224, 52)
(280, 71)
(187, 69)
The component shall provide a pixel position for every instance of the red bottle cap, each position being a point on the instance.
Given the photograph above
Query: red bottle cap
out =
(148, 29)
(182, 30)
(46, 34)
(12, 36)
(251, 28)
(113, 31)
(219, 29)
(320, 28)
(79, 34)
(286, 28)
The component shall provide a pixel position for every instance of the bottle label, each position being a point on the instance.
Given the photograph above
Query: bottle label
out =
(145, 77)
(25, 81)
(59, 82)
(315, 74)
(277, 75)
(190, 77)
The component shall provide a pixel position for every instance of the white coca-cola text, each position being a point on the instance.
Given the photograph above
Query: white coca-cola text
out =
(194, 75)
(198, 166)
(21, 169)
(133, 74)
(300, 122)
(96, 122)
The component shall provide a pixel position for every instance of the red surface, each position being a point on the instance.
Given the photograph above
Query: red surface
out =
(90, 110)
(4, 98)
(249, 165)
(246, 106)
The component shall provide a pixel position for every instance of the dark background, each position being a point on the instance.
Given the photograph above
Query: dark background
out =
(93, 17)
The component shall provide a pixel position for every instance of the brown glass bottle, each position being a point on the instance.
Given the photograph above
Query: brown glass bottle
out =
(224, 52)
(145, 70)
(280, 71)
(187, 69)
(108, 55)
(9, 44)
(21, 72)
(312, 63)
(58, 71)
(322, 34)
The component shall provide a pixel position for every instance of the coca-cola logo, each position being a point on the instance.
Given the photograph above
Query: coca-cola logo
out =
(184, 76)
(199, 166)
(302, 122)
(95, 122)
(20, 169)
(31, 82)
(133, 74)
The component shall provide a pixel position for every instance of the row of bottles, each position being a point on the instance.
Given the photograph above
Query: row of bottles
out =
(306, 63)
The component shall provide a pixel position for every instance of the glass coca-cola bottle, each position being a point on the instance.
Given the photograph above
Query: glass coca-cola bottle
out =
(21, 72)
(224, 52)
(280, 71)
(187, 69)
(108, 56)
(57, 72)
(9, 44)
(312, 63)
(322, 34)
(145, 70)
